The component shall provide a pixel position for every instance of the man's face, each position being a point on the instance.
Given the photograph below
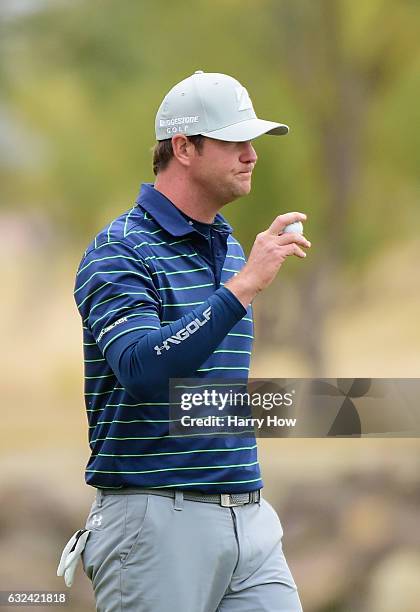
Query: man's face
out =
(223, 170)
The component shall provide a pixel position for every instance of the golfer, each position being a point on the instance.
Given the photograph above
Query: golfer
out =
(164, 291)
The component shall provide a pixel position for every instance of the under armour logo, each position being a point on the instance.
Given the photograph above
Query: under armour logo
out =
(97, 520)
(243, 99)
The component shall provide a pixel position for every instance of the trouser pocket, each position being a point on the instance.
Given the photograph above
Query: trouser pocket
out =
(116, 526)
(136, 514)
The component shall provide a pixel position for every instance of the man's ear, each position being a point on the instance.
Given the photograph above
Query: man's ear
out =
(183, 149)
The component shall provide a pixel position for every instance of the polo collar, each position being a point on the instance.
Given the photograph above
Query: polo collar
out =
(169, 217)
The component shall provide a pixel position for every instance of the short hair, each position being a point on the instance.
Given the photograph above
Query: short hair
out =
(163, 151)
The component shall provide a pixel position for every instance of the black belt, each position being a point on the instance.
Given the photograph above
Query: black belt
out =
(227, 500)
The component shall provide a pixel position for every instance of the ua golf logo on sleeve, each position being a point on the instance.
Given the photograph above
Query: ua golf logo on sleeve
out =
(243, 99)
(185, 332)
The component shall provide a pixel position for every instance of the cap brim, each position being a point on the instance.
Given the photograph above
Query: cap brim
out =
(248, 130)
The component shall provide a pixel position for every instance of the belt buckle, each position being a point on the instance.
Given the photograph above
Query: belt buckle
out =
(227, 502)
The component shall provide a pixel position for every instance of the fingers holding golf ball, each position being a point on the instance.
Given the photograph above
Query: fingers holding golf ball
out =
(272, 247)
(281, 222)
(269, 251)
(291, 233)
(293, 244)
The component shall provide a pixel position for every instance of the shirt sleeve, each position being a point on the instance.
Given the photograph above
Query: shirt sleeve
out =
(120, 305)
(115, 294)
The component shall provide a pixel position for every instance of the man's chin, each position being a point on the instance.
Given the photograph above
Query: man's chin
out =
(238, 190)
(244, 189)
(243, 184)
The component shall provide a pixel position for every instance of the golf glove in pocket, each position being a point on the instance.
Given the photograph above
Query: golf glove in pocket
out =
(71, 555)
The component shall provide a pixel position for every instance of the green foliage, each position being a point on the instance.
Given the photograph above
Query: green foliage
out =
(86, 79)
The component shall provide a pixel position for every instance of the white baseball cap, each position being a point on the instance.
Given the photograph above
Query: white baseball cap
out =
(214, 105)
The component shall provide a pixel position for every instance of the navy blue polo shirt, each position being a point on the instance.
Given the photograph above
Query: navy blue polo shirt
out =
(148, 274)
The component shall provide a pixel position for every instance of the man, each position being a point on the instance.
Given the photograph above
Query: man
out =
(164, 292)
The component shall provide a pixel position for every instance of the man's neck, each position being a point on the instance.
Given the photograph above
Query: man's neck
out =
(188, 199)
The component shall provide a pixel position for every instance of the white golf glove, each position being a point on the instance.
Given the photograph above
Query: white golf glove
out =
(71, 555)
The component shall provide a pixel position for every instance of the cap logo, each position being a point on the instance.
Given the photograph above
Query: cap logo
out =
(178, 124)
(243, 99)
(176, 120)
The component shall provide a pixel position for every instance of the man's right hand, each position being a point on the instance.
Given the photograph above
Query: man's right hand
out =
(268, 253)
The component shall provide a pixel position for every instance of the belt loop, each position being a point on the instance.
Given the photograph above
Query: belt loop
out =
(179, 500)
(99, 498)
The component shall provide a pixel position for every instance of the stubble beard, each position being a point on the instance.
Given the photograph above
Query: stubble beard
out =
(236, 188)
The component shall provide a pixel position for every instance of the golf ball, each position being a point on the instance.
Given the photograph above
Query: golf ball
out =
(293, 228)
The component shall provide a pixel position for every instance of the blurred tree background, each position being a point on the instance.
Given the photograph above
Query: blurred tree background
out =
(80, 83)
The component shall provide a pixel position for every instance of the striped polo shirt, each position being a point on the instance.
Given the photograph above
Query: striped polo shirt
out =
(148, 271)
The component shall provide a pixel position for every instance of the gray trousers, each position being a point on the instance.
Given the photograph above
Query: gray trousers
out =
(148, 553)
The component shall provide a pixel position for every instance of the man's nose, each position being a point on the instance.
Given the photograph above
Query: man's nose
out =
(248, 154)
